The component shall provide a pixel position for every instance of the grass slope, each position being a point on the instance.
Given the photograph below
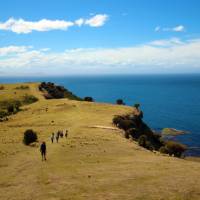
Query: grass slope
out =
(92, 163)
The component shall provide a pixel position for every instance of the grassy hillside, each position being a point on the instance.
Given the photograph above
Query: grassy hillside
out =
(92, 163)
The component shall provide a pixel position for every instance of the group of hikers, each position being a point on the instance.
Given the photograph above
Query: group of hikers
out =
(43, 148)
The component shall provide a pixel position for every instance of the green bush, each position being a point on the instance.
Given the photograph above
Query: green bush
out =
(137, 105)
(142, 140)
(10, 108)
(28, 99)
(149, 146)
(29, 137)
(3, 114)
(90, 99)
(133, 133)
(120, 102)
(22, 87)
(126, 135)
(17, 105)
(175, 148)
(163, 150)
(1, 87)
(117, 119)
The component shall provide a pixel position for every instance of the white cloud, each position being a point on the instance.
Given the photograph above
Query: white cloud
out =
(171, 55)
(13, 49)
(179, 28)
(79, 22)
(97, 20)
(21, 26)
(167, 43)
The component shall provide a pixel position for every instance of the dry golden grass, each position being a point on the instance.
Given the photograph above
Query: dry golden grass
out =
(92, 163)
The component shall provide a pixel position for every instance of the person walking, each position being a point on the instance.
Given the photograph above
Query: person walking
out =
(43, 150)
(52, 138)
(57, 136)
(66, 134)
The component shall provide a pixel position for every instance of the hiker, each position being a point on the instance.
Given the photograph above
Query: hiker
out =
(43, 150)
(66, 134)
(61, 134)
(52, 137)
(57, 136)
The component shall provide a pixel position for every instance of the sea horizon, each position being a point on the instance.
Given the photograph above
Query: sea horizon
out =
(167, 100)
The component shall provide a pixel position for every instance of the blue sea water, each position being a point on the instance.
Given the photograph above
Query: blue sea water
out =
(166, 100)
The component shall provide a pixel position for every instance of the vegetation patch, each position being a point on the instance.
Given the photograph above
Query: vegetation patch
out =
(89, 99)
(9, 107)
(135, 128)
(120, 102)
(22, 87)
(28, 99)
(30, 136)
(2, 87)
(52, 91)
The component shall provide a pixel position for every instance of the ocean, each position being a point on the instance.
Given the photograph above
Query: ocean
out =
(168, 101)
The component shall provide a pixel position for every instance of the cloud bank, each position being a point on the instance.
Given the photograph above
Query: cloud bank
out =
(22, 26)
(160, 56)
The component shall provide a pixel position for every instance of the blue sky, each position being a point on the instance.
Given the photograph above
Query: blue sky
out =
(99, 36)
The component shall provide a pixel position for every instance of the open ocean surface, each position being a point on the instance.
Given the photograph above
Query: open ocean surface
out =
(166, 100)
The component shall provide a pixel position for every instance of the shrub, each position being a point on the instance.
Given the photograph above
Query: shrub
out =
(1, 87)
(149, 146)
(142, 140)
(120, 102)
(22, 87)
(117, 119)
(3, 114)
(126, 124)
(134, 133)
(175, 148)
(90, 99)
(17, 105)
(137, 105)
(28, 99)
(29, 136)
(163, 150)
(126, 135)
(56, 91)
(10, 108)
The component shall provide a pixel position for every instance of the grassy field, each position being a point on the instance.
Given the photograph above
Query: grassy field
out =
(92, 163)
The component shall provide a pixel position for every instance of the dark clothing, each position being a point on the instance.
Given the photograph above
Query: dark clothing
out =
(43, 151)
(43, 148)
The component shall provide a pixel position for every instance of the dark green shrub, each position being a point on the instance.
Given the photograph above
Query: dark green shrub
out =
(117, 119)
(90, 99)
(126, 135)
(3, 114)
(142, 140)
(28, 99)
(126, 124)
(57, 92)
(175, 148)
(17, 105)
(29, 137)
(22, 87)
(137, 105)
(149, 146)
(1, 87)
(120, 102)
(10, 108)
(163, 150)
(134, 133)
